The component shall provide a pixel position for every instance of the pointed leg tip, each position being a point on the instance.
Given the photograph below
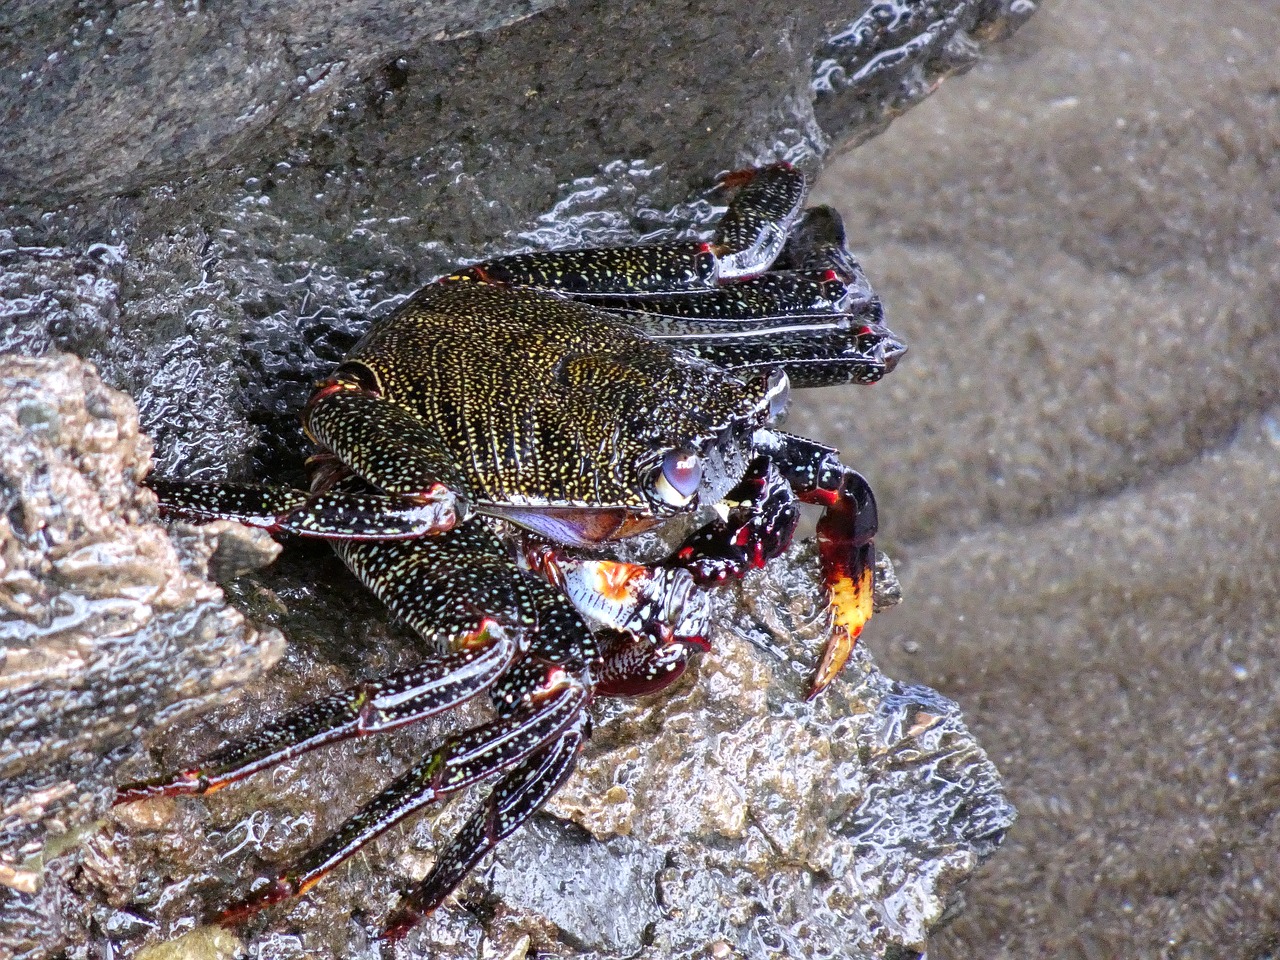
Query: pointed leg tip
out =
(399, 924)
(834, 657)
(187, 782)
(241, 910)
(132, 792)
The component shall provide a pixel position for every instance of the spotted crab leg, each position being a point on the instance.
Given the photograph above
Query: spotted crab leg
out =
(638, 666)
(752, 232)
(552, 704)
(813, 314)
(459, 592)
(515, 798)
(331, 516)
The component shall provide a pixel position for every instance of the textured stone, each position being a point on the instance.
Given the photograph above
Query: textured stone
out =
(107, 625)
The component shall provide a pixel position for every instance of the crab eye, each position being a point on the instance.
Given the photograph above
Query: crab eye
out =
(678, 480)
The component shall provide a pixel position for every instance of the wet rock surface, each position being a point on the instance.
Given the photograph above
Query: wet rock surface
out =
(102, 100)
(215, 246)
(726, 814)
(107, 628)
(839, 828)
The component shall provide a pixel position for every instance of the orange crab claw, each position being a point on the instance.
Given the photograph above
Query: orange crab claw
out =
(851, 605)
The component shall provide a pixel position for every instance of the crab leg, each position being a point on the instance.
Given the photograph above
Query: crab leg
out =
(554, 706)
(419, 488)
(748, 237)
(813, 314)
(383, 443)
(333, 515)
(754, 229)
(819, 353)
(458, 592)
(365, 709)
(818, 243)
(638, 666)
(517, 797)
(770, 296)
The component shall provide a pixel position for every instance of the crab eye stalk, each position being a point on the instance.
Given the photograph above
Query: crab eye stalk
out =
(778, 393)
(677, 480)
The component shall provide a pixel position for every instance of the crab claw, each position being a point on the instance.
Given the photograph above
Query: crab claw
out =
(845, 548)
(639, 601)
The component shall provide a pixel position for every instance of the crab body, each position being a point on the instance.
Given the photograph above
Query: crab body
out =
(556, 413)
(486, 450)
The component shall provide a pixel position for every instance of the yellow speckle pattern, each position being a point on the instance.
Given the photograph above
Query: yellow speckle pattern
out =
(546, 401)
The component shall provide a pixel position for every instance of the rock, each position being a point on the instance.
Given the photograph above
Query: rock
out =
(216, 242)
(107, 626)
(1081, 489)
(842, 827)
(102, 103)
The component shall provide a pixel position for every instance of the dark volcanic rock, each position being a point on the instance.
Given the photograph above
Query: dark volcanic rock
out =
(152, 92)
(210, 203)
(101, 100)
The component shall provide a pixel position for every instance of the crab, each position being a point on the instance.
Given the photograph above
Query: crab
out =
(488, 452)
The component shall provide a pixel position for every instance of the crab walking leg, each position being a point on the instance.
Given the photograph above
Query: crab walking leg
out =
(818, 242)
(334, 515)
(365, 709)
(750, 234)
(813, 314)
(456, 590)
(420, 490)
(770, 296)
(754, 229)
(461, 761)
(846, 534)
(515, 798)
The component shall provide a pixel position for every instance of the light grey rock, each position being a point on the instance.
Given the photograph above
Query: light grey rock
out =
(108, 626)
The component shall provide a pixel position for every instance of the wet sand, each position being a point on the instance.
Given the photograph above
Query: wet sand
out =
(1078, 463)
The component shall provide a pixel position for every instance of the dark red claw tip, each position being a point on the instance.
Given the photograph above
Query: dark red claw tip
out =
(142, 790)
(187, 783)
(737, 178)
